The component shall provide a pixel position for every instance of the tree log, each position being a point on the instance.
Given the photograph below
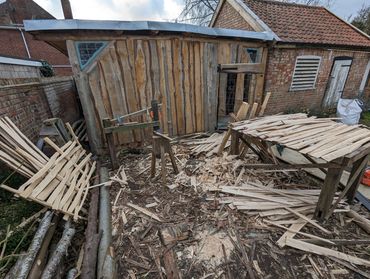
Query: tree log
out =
(92, 236)
(35, 245)
(60, 251)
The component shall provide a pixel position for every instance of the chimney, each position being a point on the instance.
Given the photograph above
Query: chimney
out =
(67, 11)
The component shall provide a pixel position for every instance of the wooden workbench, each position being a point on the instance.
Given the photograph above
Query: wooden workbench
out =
(340, 146)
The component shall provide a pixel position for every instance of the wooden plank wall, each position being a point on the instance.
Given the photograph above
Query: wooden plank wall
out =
(180, 72)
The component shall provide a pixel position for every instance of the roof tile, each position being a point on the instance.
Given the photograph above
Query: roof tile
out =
(306, 24)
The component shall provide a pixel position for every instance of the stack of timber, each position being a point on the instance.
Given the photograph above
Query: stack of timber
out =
(317, 137)
(79, 128)
(274, 204)
(60, 182)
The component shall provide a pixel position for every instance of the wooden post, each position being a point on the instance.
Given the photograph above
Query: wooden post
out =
(154, 155)
(85, 95)
(110, 141)
(234, 147)
(155, 112)
(328, 192)
(355, 177)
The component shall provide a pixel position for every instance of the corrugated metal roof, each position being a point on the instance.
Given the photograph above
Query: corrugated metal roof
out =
(76, 24)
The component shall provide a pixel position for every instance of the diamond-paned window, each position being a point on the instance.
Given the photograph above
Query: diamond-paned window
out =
(86, 51)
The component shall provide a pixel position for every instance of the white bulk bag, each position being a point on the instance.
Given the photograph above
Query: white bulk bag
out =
(349, 110)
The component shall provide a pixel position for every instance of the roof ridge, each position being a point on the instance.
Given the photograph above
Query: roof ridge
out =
(277, 2)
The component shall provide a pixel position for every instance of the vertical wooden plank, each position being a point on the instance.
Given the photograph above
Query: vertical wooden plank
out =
(140, 71)
(198, 87)
(186, 86)
(120, 89)
(239, 91)
(149, 73)
(155, 69)
(212, 86)
(110, 77)
(223, 58)
(327, 193)
(126, 55)
(94, 83)
(205, 71)
(260, 78)
(163, 94)
(171, 87)
(192, 85)
(179, 94)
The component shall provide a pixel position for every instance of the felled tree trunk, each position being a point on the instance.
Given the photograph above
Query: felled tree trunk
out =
(92, 236)
(34, 248)
(60, 251)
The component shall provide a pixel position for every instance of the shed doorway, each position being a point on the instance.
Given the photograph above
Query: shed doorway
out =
(337, 81)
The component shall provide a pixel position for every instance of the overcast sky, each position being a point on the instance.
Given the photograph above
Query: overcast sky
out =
(154, 9)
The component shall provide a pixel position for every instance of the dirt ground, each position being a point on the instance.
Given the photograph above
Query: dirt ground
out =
(212, 240)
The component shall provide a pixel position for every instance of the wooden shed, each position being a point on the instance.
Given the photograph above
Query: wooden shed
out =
(198, 74)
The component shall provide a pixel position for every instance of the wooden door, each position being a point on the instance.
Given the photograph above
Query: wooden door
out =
(337, 81)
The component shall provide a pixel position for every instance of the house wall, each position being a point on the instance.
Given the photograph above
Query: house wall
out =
(11, 44)
(229, 18)
(29, 104)
(280, 68)
(179, 72)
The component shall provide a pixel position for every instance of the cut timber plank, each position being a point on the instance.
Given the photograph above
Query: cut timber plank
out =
(308, 247)
(144, 211)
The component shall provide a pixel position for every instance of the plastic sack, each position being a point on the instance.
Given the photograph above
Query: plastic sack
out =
(349, 110)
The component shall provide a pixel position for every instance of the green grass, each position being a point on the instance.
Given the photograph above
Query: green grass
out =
(12, 212)
(365, 118)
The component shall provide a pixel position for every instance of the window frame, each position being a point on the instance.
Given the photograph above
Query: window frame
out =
(291, 88)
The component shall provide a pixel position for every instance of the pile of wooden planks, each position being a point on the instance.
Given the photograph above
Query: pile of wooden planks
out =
(274, 204)
(60, 182)
(317, 137)
(208, 146)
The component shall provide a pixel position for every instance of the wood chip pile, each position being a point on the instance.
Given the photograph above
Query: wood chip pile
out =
(60, 182)
(317, 137)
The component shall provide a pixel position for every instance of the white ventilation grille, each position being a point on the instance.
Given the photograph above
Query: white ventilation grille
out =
(305, 72)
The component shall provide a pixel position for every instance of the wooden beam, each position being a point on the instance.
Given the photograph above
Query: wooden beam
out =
(254, 68)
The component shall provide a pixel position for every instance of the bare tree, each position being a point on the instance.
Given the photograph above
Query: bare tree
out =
(362, 19)
(200, 11)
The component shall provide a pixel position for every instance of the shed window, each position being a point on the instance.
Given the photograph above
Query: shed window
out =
(231, 90)
(86, 51)
(305, 72)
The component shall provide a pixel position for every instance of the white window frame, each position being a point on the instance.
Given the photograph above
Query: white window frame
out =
(292, 87)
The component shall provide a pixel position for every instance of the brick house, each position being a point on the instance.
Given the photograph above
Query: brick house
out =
(316, 57)
(18, 44)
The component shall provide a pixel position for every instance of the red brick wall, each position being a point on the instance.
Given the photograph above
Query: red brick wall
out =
(26, 106)
(11, 44)
(29, 104)
(280, 68)
(228, 17)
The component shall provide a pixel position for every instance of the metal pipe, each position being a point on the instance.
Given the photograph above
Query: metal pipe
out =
(25, 43)
(106, 264)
